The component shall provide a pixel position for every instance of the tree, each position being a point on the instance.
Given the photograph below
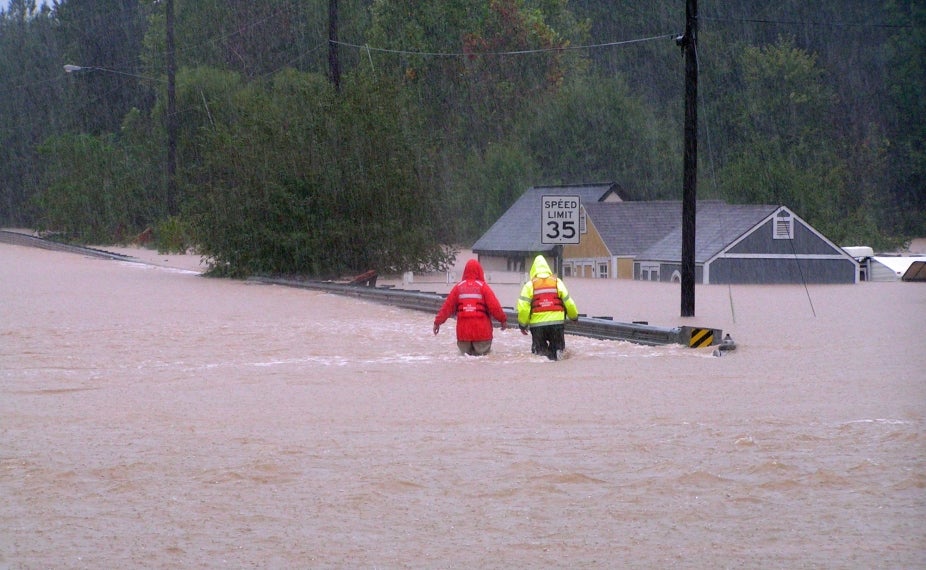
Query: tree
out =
(256, 38)
(86, 193)
(783, 151)
(456, 107)
(483, 186)
(104, 36)
(456, 62)
(599, 130)
(905, 54)
(332, 189)
(27, 103)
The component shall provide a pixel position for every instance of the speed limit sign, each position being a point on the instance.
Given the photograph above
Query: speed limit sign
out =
(559, 220)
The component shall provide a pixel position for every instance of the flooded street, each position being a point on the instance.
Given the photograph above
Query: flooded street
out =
(153, 418)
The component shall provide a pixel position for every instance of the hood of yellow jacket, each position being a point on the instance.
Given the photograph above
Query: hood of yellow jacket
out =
(540, 268)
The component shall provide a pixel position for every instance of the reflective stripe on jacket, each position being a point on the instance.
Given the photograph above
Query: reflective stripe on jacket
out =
(545, 285)
(470, 301)
(546, 295)
(474, 304)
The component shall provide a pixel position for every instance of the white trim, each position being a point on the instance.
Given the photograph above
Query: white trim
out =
(841, 254)
(783, 225)
(745, 234)
(650, 267)
(780, 256)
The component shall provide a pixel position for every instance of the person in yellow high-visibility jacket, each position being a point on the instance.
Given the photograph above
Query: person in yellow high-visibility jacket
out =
(543, 307)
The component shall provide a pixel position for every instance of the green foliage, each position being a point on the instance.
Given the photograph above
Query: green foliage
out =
(905, 55)
(102, 35)
(246, 37)
(788, 151)
(784, 98)
(477, 99)
(603, 132)
(488, 183)
(86, 193)
(27, 109)
(454, 110)
(173, 235)
(256, 203)
(329, 191)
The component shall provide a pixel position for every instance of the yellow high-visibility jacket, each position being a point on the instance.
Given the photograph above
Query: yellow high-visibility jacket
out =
(534, 306)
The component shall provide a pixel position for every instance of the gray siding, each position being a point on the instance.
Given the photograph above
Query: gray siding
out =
(782, 270)
(760, 240)
(667, 269)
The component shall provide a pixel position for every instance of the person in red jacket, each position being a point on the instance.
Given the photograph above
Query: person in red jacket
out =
(474, 304)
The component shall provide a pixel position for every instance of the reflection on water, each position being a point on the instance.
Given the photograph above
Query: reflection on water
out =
(154, 418)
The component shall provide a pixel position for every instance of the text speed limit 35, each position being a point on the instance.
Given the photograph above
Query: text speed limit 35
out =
(559, 220)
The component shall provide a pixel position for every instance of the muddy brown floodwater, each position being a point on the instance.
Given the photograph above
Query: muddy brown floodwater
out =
(154, 418)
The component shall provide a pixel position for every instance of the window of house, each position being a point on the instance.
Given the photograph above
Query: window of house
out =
(582, 223)
(649, 271)
(783, 227)
(603, 270)
(515, 264)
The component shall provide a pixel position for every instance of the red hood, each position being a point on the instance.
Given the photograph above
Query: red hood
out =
(473, 271)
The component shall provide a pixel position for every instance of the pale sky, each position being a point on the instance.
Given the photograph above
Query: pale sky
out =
(6, 3)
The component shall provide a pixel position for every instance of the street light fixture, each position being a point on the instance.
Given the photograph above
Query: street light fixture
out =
(71, 68)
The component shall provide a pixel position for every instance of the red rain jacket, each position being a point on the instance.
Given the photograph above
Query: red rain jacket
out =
(472, 301)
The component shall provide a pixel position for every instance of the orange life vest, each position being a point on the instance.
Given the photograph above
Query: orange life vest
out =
(470, 301)
(546, 296)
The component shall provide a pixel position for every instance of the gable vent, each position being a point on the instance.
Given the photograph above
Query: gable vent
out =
(783, 227)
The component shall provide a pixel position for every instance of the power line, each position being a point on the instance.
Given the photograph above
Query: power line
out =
(804, 23)
(503, 53)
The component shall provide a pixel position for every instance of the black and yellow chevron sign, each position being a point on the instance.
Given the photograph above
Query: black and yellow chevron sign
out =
(701, 337)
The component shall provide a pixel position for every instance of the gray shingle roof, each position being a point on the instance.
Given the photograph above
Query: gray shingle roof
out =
(517, 232)
(629, 228)
(717, 226)
(645, 230)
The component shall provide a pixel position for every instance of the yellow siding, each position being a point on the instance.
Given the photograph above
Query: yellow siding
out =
(590, 245)
(625, 269)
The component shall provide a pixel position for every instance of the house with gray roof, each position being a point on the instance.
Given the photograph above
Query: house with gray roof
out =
(615, 234)
(642, 240)
(749, 244)
(513, 241)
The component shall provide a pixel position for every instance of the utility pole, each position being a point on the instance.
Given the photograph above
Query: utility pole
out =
(689, 43)
(171, 119)
(334, 66)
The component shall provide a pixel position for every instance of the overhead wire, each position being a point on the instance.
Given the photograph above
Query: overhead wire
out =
(503, 53)
(596, 46)
(806, 23)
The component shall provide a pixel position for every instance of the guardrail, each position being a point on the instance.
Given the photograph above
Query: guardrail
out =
(19, 238)
(593, 327)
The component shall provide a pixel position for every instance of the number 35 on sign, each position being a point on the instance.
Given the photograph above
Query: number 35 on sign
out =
(559, 220)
